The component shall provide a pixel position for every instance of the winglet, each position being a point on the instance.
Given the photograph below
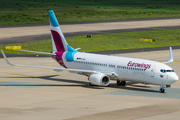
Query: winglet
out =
(7, 61)
(171, 59)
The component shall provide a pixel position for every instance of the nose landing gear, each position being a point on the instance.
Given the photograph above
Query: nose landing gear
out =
(162, 90)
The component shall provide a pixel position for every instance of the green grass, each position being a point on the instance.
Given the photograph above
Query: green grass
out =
(22, 12)
(104, 42)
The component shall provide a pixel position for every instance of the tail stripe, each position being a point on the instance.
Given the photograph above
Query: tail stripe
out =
(53, 19)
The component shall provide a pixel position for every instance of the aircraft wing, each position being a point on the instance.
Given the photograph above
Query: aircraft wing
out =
(35, 52)
(55, 69)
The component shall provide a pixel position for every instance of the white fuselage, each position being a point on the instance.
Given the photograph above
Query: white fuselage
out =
(126, 69)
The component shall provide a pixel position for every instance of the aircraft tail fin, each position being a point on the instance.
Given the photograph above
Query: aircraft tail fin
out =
(58, 40)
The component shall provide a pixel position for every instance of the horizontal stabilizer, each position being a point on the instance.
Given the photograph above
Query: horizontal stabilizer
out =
(44, 53)
(77, 48)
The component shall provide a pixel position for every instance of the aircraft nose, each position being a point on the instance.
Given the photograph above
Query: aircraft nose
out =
(175, 78)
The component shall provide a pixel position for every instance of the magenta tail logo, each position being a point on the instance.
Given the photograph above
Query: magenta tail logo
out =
(57, 41)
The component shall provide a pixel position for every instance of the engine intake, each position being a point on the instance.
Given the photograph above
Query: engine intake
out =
(99, 79)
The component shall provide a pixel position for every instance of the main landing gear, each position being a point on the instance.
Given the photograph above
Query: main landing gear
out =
(121, 83)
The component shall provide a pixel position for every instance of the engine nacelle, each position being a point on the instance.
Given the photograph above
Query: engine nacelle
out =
(99, 79)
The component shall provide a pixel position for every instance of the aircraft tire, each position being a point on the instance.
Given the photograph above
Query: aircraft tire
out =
(118, 83)
(90, 84)
(162, 90)
(123, 83)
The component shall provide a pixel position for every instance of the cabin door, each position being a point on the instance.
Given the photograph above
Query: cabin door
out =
(152, 71)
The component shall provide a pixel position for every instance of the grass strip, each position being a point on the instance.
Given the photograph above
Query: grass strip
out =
(23, 12)
(104, 42)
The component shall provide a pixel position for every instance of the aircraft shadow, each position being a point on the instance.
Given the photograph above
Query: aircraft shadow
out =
(139, 89)
(35, 85)
(133, 85)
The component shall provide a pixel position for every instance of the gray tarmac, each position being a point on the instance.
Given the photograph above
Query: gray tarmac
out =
(34, 93)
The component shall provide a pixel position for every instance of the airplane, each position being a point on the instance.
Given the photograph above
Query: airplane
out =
(100, 69)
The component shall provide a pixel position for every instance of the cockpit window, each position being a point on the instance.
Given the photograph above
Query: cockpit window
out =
(163, 71)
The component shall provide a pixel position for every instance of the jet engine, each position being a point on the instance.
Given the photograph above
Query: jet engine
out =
(99, 79)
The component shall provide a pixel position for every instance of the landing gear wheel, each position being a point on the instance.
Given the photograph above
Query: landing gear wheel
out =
(90, 84)
(121, 83)
(161, 90)
(118, 83)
